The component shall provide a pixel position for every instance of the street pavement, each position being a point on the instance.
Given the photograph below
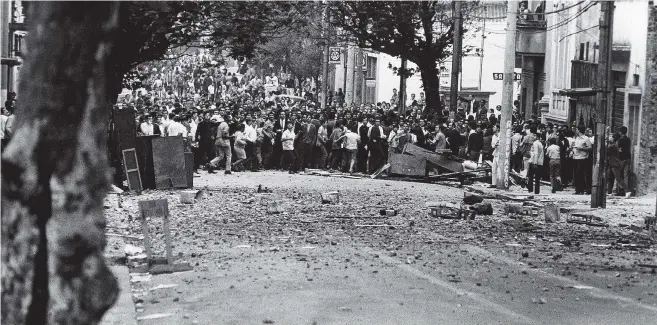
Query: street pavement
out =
(307, 266)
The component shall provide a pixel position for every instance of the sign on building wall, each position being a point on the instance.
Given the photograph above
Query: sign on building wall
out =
(335, 55)
(445, 75)
(500, 76)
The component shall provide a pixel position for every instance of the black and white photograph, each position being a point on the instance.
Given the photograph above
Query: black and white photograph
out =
(449, 162)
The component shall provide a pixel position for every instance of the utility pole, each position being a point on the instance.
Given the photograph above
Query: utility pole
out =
(402, 87)
(504, 148)
(603, 101)
(456, 55)
(349, 76)
(363, 67)
(326, 35)
(481, 57)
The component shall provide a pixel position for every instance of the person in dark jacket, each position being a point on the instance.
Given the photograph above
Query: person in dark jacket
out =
(475, 144)
(454, 139)
(614, 164)
(205, 138)
(487, 149)
(419, 134)
(361, 156)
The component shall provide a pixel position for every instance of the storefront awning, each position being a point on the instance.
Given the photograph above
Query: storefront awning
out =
(578, 92)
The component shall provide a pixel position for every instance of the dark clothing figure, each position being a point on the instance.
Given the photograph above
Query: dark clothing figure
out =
(534, 178)
(475, 144)
(361, 156)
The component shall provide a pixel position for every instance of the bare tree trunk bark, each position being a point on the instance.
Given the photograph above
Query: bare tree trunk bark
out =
(55, 174)
(431, 85)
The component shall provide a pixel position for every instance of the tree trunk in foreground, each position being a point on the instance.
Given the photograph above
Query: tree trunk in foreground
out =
(431, 86)
(54, 171)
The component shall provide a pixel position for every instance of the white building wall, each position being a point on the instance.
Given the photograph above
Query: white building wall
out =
(562, 47)
(493, 62)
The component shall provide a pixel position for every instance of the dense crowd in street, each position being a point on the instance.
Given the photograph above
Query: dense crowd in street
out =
(238, 122)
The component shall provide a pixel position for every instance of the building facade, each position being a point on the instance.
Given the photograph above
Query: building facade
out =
(571, 59)
(372, 80)
(13, 29)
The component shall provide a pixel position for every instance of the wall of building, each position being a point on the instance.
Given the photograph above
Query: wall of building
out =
(646, 174)
(563, 45)
(5, 18)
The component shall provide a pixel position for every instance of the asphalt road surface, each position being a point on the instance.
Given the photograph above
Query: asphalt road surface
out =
(342, 263)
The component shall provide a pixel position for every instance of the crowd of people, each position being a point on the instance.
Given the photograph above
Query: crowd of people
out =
(238, 121)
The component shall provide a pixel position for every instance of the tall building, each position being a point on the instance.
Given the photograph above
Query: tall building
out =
(12, 27)
(571, 60)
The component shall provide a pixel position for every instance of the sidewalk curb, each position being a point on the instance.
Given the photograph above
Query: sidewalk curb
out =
(123, 312)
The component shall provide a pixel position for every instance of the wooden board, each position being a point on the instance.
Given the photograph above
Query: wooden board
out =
(169, 163)
(189, 169)
(154, 209)
(407, 165)
(123, 135)
(131, 166)
(443, 161)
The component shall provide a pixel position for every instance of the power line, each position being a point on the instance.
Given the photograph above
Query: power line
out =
(577, 32)
(545, 13)
(558, 24)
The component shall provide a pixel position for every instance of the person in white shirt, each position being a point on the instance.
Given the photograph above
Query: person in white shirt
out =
(250, 135)
(147, 126)
(350, 140)
(176, 128)
(287, 140)
(274, 79)
(211, 92)
(193, 125)
(3, 122)
(535, 164)
(495, 143)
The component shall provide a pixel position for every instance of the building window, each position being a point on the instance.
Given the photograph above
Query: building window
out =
(635, 80)
(587, 51)
(581, 51)
(371, 67)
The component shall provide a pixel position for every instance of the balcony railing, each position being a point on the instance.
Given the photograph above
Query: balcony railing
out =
(531, 34)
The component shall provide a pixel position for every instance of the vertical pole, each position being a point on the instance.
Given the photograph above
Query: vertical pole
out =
(10, 68)
(363, 68)
(598, 191)
(344, 76)
(349, 76)
(354, 89)
(481, 53)
(504, 148)
(325, 31)
(402, 87)
(456, 55)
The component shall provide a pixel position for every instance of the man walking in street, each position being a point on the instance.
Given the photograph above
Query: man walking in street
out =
(625, 156)
(222, 144)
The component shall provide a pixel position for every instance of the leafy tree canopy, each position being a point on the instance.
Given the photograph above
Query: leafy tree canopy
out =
(420, 31)
(149, 29)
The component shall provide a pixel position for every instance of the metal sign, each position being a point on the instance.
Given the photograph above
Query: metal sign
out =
(500, 76)
(363, 62)
(335, 55)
